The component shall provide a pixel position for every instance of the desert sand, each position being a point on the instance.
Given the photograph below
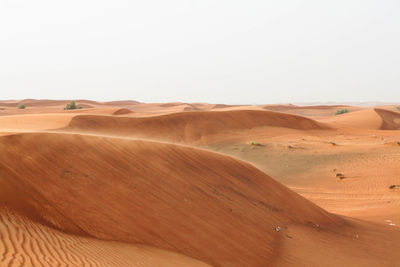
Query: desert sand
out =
(125, 183)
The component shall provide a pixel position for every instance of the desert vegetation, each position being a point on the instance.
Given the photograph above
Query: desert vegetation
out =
(72, 105)
(254, 143)
(341, 111)
(340, 175)
(21, 106)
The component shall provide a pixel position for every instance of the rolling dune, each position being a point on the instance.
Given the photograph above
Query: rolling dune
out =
(209, 207)
(190, 126)
(183, 199)
(367, 119)
(122, 111)
(96, 187)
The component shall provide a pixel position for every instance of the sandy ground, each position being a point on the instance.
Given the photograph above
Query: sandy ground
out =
(195, 184)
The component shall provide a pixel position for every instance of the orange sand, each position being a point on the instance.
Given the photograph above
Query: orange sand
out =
(133, 184)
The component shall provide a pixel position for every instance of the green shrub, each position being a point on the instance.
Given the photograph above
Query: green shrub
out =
(21, 106)
(342, 111)
(253, 143)
(71, 105)
(398, 107)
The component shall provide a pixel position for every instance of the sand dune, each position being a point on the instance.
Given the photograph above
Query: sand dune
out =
(371, 119)
(190, 126)
(186, 200)
(183, 199)
(97, 187)
(122, 111)
(390, 119)
(313, 112)
(26, 243)
(367, 119)
(47, 102)
(120, 103)
(32, 122)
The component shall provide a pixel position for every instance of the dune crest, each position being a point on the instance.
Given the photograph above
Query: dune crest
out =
(190, 126)
(122, 111)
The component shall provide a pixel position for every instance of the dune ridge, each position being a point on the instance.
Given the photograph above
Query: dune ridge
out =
(122, 111)
(190, 126)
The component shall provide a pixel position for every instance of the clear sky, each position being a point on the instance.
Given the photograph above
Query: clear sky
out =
(218, 51)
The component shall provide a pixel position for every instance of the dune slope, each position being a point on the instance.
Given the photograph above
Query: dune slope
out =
(390, 119)
(200, 204)
(371, 119)
(24, 242)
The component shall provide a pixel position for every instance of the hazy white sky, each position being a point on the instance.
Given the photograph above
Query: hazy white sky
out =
(218, 51)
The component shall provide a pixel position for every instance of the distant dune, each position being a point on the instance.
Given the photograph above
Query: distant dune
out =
(372, 119)
(122, 111)
(190, 126)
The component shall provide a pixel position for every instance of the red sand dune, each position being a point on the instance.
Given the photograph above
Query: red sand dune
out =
(120, 103)
(204, 205)
(32, 122)
(183, 199)
(27, 243)
(390, 119)
(190, 126)
(47, 102)
(221, 106)
(122, 111)
(371, 119)
(77, 196)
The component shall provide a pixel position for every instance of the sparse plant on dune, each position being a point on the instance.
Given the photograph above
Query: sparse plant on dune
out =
(340, 175)
(398, 107)
(72, 105)
(341, 111)
(21, 106)
(253, 143)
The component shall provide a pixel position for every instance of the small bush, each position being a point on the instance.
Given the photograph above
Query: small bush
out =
(70, 106)
(340, 175)
(21, 106)
(253, 143)
(398, 107)
(342, 111)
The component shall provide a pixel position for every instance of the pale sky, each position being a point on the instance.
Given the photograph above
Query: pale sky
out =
(217, 51)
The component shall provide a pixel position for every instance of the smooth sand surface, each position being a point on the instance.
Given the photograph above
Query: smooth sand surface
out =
(134, 184)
